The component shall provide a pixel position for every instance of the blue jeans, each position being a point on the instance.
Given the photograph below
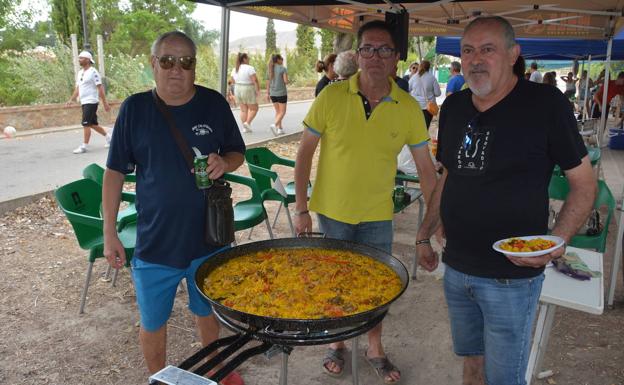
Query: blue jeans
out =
(493, 318)
(377, 234)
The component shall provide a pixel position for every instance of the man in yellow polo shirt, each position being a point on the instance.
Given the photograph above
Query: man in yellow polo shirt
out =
(362, 124)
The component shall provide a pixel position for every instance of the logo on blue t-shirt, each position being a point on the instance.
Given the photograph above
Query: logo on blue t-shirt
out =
(202, 129)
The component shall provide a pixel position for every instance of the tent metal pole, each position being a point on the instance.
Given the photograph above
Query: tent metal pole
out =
(586, 101)
(603, 115)
(225, 38)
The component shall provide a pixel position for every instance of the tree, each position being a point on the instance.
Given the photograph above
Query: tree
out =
(343, 42)
(327, 41)
(305, 41)
(6, 7)
(133, 36)
(271, 39)
(67, 19)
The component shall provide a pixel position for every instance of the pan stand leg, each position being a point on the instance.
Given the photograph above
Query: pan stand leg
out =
(284, 373)
(354, 359)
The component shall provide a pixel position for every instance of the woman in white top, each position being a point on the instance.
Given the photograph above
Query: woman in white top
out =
(246, 90)
(570, 83)
(424, 88)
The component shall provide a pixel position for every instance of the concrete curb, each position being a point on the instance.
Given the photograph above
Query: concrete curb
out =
(15, 203)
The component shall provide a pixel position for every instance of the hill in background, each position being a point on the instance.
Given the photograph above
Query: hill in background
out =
(256, 44)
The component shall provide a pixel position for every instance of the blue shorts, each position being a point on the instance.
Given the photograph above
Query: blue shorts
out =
(493, 318)
(377, 234)
(156, 286)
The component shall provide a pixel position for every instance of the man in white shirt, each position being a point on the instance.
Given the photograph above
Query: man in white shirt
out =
(536, 76)
(90, 89)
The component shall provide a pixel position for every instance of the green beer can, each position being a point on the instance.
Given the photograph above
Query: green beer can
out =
(399, 194)
(200, 164)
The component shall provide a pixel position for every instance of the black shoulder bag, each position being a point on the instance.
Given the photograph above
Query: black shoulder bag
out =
(219, 212)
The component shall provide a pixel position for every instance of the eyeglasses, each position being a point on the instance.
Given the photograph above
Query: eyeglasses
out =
(472, 133)
(167, 62)
(368, 52)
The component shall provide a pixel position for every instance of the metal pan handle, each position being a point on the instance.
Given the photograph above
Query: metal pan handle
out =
(272, 333)
(311, 234)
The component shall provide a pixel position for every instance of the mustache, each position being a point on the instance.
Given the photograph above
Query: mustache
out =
(477, 68)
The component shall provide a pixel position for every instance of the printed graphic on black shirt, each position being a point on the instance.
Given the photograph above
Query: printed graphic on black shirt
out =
(474, 148)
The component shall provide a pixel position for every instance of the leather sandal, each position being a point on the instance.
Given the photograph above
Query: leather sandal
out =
(383, 368)
(335, 356)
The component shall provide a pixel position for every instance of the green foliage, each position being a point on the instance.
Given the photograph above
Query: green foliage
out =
(6, 6)
(305, 42)
(127, 74)
(271, 39)
(207, 70)
(67, 19)
(301, 71)
(327, 41)
(132, 37)
(53, 83)
(19, 38)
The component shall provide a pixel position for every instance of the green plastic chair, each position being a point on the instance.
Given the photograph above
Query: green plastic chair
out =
(251, 212)
(127, 214)
(260, 161)
(81, 201)
(559, 189)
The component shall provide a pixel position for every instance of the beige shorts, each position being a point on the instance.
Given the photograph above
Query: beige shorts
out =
(245, 93)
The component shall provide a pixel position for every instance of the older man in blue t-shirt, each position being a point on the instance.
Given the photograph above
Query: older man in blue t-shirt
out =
(170, 242)
(456, 82)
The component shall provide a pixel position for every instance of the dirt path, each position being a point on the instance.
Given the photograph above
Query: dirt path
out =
(43, 340)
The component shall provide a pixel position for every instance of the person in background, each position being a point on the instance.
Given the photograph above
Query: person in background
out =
(411, 71)
(616, 87)
(276, 91)
(585, 84)
(362, 124)
(326, 66)
(536, 76)
(402, 83)
(550, 79)
(90, 90)
(230, 92)
(246, 90)
(570, 83)
(170, 229)
(456, 81)
(345, 65)
(424, 88)
(497, 163)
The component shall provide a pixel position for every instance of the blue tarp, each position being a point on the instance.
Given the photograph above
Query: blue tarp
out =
(550, 49)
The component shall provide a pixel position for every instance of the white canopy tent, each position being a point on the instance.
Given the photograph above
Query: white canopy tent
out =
(565, 19)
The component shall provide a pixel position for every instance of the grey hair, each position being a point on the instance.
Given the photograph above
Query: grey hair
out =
(173, 34)
(345, 64)
(508, 31)
(456, 66)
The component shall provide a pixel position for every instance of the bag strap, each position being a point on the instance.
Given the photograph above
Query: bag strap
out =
(177, 135)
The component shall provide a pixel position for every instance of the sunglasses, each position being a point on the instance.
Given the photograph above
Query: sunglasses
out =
(369, 52)
(167, 62)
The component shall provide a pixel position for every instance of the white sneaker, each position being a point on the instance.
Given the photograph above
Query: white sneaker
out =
(246, 128)
(280, 131)
(274, 129)
(80, 150)
(108, 140)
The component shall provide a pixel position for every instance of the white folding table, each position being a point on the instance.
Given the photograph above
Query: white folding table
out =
(561, 290)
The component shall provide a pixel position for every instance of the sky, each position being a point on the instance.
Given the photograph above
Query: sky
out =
(241, 24)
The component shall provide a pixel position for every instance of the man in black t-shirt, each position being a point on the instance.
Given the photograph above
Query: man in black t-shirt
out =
(498, 143)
